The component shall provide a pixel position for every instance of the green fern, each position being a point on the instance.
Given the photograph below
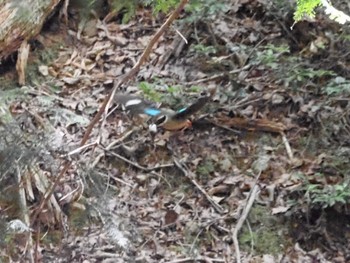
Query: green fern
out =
(162, 5)
(306, 8)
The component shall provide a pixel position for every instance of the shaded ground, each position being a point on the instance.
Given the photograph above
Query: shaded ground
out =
(137, 197)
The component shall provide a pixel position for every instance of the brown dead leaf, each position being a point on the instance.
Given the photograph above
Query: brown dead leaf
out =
(170, 217)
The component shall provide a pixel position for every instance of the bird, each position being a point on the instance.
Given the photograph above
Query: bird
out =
(168, 119)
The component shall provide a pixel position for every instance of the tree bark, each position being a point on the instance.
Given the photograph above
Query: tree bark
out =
(21, 20)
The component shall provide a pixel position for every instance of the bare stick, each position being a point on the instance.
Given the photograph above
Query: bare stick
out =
(146, 169)
(190, 176)
(255, 190)
(287, 145)
(23, 208)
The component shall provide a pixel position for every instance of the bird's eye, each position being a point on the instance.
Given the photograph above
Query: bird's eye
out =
(160, 120)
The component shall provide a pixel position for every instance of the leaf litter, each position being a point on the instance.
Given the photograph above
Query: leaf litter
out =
(141, 206)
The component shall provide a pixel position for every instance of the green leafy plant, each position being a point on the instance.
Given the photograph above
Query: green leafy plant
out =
(201, 49)
(323, 194)
(328, 195)
(127, 8)
(305, 8)
(169, 95)
(161, 5)
(271, 54)
(337, 86)
(301, 74)
(206, 167)
(204, 10)
(292, 70)
(150, 91)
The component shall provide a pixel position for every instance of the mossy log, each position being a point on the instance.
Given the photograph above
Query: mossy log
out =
(21, 20)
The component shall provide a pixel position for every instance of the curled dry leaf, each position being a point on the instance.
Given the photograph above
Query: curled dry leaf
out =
(170, 217)
(71, 81)
(44, 70)
(280, 210)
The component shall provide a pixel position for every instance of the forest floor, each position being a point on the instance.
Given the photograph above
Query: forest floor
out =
(275, 133)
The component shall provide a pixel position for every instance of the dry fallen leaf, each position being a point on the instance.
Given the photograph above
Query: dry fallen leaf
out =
(279, 210)
(44, 70)
(170, 217)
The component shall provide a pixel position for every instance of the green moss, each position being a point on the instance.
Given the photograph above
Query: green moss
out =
(205, 168)
(264, 235)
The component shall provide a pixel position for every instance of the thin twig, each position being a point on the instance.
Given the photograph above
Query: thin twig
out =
(255, 190)
(79, 149)
(190, 176)
(287, 145)
(149, 239)
(119, 140)
(182, 36)
(143, 168)
(24, 213)
(118, 180)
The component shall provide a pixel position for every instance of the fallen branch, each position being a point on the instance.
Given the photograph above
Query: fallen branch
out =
(252, 125)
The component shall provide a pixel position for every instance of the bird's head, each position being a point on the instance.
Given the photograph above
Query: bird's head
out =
(168, 122)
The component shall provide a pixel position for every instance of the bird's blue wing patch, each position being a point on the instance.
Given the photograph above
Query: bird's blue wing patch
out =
(151, 111)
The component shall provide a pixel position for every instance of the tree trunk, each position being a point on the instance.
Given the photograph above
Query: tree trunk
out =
(21, 20)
